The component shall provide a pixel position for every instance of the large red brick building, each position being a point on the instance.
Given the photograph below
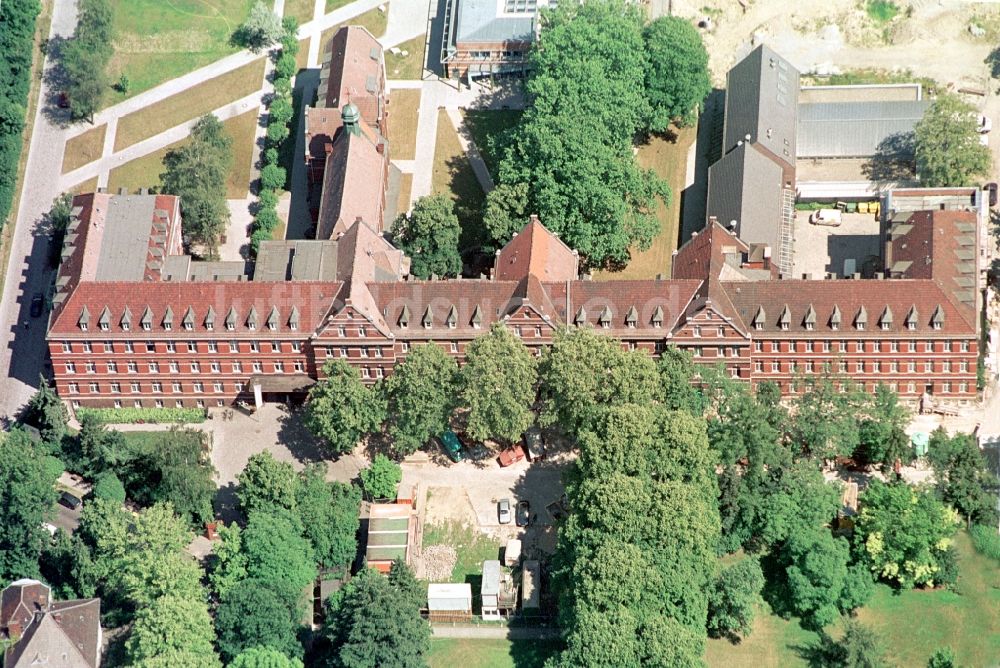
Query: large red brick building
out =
(126, 330)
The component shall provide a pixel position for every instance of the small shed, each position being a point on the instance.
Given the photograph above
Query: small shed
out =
(512, 552)
(490, 590)
(449, 602)
(531, 580)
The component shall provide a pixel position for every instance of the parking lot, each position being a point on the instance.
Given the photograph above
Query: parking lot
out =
(821, 249)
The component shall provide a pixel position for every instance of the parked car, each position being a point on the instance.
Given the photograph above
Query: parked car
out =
(511, 455)
(523, 514)
(37, 304)
(451, 445)
(503, 511)
(534, 444)
(991, 191)
(831, 217)
(70, 501)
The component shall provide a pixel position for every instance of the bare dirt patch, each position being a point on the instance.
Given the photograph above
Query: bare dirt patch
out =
(449, 504)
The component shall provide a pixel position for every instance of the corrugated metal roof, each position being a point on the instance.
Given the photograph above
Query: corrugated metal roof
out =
(853, 129)
(483, 21)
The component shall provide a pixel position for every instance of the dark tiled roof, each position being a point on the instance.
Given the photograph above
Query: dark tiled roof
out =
(312, 299)
(853, 299)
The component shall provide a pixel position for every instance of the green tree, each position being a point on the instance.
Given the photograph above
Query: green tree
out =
(261, 29)
(272, 177)
(677, 81)
(108, 486)
(825, 423)
(46, 411)
(276, 550)
(732, 599)
(197, 172)
(381, 479)
(67, 566)
(422, 393)
(583, 371)
(861, 647)
(818, 577)
(84, 58)
(882, 439)
(259, 612)
(943, 657)
(377, 625)
(99, 448)
(903, 533)
(341, 409)
(330, 515)
(227, 565)
(27, 497)
(280, 110)
(506, 212)
(264, 657)
(964, 480)
(947, 144)
(429, 235)
(573, 145)
(266, 484)
(498, 385)
(676, 374)
(171, 628)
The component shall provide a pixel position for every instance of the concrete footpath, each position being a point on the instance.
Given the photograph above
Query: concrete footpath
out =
(494, 632)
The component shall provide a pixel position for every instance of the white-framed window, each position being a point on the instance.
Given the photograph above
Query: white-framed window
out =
(254, 347)
(237, 367)
(251, 326)
(279, 367)
(70, 367)
(946, 367)
(157, 388)
(298, 366)
(177, 388)
(150, 347)
(200, 403)
(275, 346)
(876, 346)
(159, 403)
(696, 331)
(238, 386)
(406, 347)
(217, 388)
(894, 367)
(220, 403)
(129, 348)
(91, 367)
(192, 347)
(928, 367)
(230, 326)
(963, 387)
(937, 325)
(257, 367)
(67, 347)
(365, 373)
(454, 346)
(378, 372)
(199, 388)
(86, 347)
(947, 346)
(215, 367)
(116, 388)
(171, 347)
(74, 388)
(928, 347)
(363, 351)
(809, 367)
(132, 367)
(167, 326)
(758, 367)
(963, 366)
(946, 387)
(178, 403)
(195, 367)
(965, 346)
(188, 326)
(859, 367)
(234, 347)
(758, 346)
(859, 346)
(145, 326)
(136, 387)
(362, 331)
(296, 346)
(112, 367)
(876, 367)
(775, 367)
(341, 332)
(175, 367)
(118, 403)
(911, 367)
(154, 367)
(698, 351)
(517, 330)
(343, 352)
(894, 346)
(213, 347)
(774, 346)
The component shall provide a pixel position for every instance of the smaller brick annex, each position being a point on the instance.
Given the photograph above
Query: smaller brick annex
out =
(128, 330)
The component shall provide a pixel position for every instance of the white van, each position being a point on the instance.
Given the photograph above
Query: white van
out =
(829, 217)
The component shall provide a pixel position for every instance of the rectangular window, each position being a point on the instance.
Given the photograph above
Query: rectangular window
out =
(946, 387)
(893, 346)
(109, 347)
(217, 387)
(946, 367)
(928, 367)
(179, 403)
(175, 367)
(963, 387)
(91, 367)
(362, 331)
(275, 347)
(758, 346)
(94, 388)
(928, 347)
(296, 347)
(329, 351)
(406, 347)
(136, 387)
(132, 368)
(877, 367)
(859, 367)
(150, 347)
(154, 367)
(279, 367)
(257, 367)
(213, 347)
(195, 367)
(696, 331)
(859, 346)
(159, 403)
(192, 347)
(912, 367)
(697, 351)
(758, 367)
(199, 388)
(157, 388)
(171, 347)
(129, 348)
(298, 366)
(238, 387)
(775, 367)
(177, 388)
(74, 388)
(116, 388)
(965, 346)
(364, 352)
(215, 367)
(234, 347)
(86, 347)
(112, 367)
(378, 352)
(341, 332)
(254, 347)
(454, 346)
(365, 373)
(774, 346)
(963, 367)
(237, 367)
(343, 352)
(843, 367)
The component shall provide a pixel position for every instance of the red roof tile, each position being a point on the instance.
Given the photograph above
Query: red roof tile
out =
(354, 185)
(536, 250)
(356, 68)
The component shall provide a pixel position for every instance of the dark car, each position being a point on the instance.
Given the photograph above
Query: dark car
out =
(63, 101)
(451, 445)
(991, 190)
(70, 501)
(534, 444)
(37, 305)
(523, 514)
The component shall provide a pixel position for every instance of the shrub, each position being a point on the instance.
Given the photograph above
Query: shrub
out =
(280, 110)
(268, 199)
(270, 158)
(258, 236)
(266, 219)
(272, 177)
(286, 66)
(282, 85)
(142, 415)
(53, 466)
(276, 133)
(986, 540)
(109, 487)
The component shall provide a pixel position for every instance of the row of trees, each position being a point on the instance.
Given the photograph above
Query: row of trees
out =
(599, 78)
(280, 114)
(17, 33)
(85, 57)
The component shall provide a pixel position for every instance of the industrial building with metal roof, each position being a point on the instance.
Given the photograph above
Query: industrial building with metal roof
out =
(858, 129)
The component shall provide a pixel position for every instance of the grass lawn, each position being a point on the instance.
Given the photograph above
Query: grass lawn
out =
(335, 4)
(145, 440)
(453, 175)
(158, 40)
(88, 186)
(410, 66)
(189, 104)
(669, 160)
(485, 124)
(471, 546)
(405, 105)
(302, 57)
(145, 172)
(405, 186)
(489, 653)
(84, 148)
(911, 623)
(302, 10)
(373, 19)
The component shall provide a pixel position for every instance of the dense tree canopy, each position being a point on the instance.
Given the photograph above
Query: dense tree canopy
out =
(85, 58)
(429, 236)
(732, 599)
(677, 81)
(964, 480)
(572, 149)
(261, 29)
(276, 549)
(330, 516)
(259, 612)
(46, 411)
(376, 624)
(498, 385)
(381, 479)
(266, 484)
(422, 393)
(826, 419)
(947, 145)
(27, 499)
(341, 409)
(264, 657)
(903, 533)
(173, 631)
(197, 172)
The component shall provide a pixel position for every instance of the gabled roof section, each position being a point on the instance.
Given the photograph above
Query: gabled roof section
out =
(705, 253)
(355, 73)
(354, 184)
(168, 317)
(536, 251)
(147, 318)
(273, 318)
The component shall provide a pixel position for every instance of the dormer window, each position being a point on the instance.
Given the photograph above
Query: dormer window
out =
(937, 325)
(784, 326)
(885, 326)
(271, 326)
(167, 326)
(187, 326)
(125, 326)
(911, 326)
(230, 326)
(83, 327)
(758, 325)
(146, 327)
(809, 326)
(696, 331)
(251, 326)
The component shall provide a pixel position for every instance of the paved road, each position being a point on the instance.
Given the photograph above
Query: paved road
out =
(23, 349)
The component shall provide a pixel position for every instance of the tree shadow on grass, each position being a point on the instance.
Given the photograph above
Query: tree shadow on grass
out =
(294, 435)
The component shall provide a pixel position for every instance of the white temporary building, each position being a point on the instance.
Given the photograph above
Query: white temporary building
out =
(449, 597)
